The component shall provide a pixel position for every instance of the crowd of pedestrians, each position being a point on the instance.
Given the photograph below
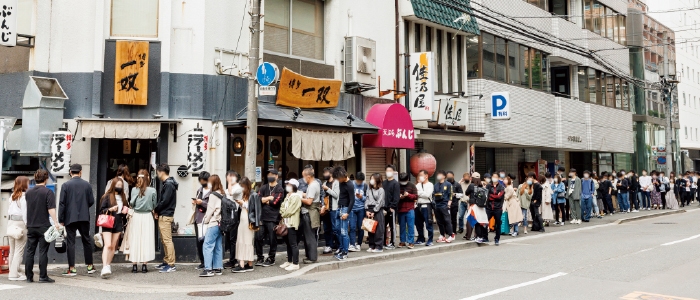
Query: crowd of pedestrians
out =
(232, 213)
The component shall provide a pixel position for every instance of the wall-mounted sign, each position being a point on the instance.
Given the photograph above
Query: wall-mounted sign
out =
(453, 113)
(61, 144)
(267, 74)
(500, 106)
(126, 147)
(197, 148)
(574, 139)
(267, 90)
(258, 174)
(305, 92)
(8, 23)
(131, 73)
(421, 81)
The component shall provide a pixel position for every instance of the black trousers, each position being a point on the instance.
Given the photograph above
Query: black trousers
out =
(482, 231)
(536, 217)
(376, 239)
(231, 237)
(557, 207)
(496, 214)
(454, 211)
(420, 224)
(292, 246)
(567, 212)
(84, 228)
(310, 237)
(442, 214)
(35, 237)
(390, 222)
(266, 230)
(663, 200)
(200, 244)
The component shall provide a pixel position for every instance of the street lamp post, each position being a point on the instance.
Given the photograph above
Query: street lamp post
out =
(6, 124)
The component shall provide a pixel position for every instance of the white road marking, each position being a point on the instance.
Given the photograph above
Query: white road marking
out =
(512, 287)
(680, 241)
(9, 287)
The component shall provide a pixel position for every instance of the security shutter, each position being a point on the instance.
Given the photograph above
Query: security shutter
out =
(375, 159)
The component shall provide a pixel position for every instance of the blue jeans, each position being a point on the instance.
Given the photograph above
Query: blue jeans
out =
(463, 209)
(356, 232)
(343, 229)
(213, 249)
(407, 222)
(623, 201)
(524, 217)
(586, 206)
(428, 219)
(646, 199)
(331, 231)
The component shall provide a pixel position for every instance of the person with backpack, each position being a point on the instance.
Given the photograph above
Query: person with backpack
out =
(494, 206)
(476, 214)
(573, 195)
(271, 195)
(587, 191)
(512, 207)
(407, 203)
(290, 212)
(425, 200)
(200, 207)
(234, 192)
(357, 213)
(142, 246)
(213, 239)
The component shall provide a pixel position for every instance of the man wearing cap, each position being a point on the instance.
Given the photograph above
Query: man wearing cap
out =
(271, 196)
(75, 201)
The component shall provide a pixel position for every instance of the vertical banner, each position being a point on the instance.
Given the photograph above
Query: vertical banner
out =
(131, 73)
(421, 85)
(472, 159)
(61, 144)
(8, 23)
(197, 147)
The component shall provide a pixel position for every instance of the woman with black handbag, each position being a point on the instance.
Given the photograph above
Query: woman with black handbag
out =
(114, 204)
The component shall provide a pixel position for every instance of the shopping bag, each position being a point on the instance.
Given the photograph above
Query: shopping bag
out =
(369, 225)
(52, 234)
(505, 228)
(492, 224)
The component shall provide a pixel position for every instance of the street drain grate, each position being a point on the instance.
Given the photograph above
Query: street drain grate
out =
(290, 282)
(210, 293)
(664, 223)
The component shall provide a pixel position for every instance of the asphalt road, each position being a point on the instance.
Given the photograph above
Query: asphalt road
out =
(655, 256)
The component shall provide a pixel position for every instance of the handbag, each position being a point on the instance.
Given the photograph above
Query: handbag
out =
(15, 232)
(369, 225)
(52, 233)
(561, 195)
(281, 229)
(505, 228)
(106, 221)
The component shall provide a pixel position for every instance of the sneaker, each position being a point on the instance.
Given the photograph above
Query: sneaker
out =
(238, 269)
(327, 250)
(441, 239)
(229, 264)
(292, 267)
(168, 269)
(200, 267)
(420, 242)
(428, 244)
(206, 273)
(218, 272)
(410, 246)
(634, 211)
(162, 265)
(390, 247)
(336, 252)
(248, 268)
(70, 272)
(106, 272)
(449, 240)
(600, 217)
(268, 262)
(525, 229)
(91, 269)
(284, 265)
(308, 261)
(354, 248)
(479, 240)
(377, 250)
(401, 245)
(20, 278)
(514, 234)
(472, 239)
(497, 243)
(340, 256)
(259, 262)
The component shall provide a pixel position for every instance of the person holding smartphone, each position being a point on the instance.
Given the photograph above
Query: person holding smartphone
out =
(200, 202)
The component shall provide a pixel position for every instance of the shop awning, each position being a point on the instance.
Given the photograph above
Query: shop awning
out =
(110, 129)
(395, 127)
(322, 145)
(270, 115)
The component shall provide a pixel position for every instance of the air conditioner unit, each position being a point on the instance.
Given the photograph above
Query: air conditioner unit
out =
(360, 61)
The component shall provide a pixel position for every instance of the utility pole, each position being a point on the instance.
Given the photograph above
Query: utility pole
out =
(667, 90)
(251, 133)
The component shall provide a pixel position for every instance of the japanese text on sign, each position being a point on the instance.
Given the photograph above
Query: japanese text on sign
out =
(421, 85)
(8, 23)
(453, 113)
(197, 148)
(305, 92)
(61, 144)
(131, 73)
(399, 133)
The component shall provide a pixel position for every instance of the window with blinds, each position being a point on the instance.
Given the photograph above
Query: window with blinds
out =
(294, 27)
(134, 18)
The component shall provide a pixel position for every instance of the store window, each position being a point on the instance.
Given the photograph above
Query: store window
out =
(473, 60)
(604, 21)
(488, 55)
(525, 59)
(592, 85)
(417, 34)
(428, 38)
(583, 84)
(299, 33)
(515, 63)
(609, 91)
(536, 58)
(134, 18)
(501, 59)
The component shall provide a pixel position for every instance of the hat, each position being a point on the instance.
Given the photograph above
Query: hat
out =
(487, 175)
(76, 168)
(293, 182)
(476, 175)
(273, 171)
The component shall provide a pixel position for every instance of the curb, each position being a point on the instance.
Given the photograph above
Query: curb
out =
(644, 217)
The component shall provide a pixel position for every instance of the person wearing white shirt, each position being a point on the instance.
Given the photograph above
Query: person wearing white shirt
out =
(646, 187)
(17, 224)
(425, 196)
(234, 191)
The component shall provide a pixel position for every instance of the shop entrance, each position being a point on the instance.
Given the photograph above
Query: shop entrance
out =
(136, 154)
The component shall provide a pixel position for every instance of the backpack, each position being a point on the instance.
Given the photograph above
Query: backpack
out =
(480, 196)
(230, 213)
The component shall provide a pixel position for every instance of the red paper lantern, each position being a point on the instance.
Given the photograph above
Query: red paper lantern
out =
(423, 161)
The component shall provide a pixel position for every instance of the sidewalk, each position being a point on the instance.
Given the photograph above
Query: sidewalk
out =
(186, 279)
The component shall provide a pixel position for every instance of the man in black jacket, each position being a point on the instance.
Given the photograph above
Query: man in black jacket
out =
(271, 197)
(74, 213)
(633, 190)
(164, 211)
(457, 194)
(392, 194)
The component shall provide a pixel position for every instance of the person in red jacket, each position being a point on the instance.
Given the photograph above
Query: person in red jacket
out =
(407, 203)
(494, 206)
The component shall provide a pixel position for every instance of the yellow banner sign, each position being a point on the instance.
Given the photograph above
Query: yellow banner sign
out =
(131, 73)
(305, 92)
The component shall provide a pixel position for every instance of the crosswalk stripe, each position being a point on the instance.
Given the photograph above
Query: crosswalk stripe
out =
(9, 286)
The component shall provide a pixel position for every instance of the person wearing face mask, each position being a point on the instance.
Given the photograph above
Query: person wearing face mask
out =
(546, 206)
(558, 199)
(358, 213)
(646, 187)
(656, 191)
(234, 191)
(142, 246)
(566, 213)
(501, 177)
(587, 190)
(457, 194)
(200, 203)
(442, 196)
(573, 195)
(465, 184)
(633, 191)
(536, 203)
(76, 198)
(494, 207)
(425, 196)
(290, 211)
(511, 205)
(112, 203)
(407, 204)
(525, 193)
(623, 185)
(346, 201)
(392, 195)
(213, 239)
(329, 212)
(271, 196)
(373, 210)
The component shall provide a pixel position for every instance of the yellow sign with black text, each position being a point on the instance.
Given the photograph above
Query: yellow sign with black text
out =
(131, 73)
(296, 90)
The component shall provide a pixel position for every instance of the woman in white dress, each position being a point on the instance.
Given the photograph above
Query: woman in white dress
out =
(245, 246)
(17, 223)
(142, 248)
(671, 201)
